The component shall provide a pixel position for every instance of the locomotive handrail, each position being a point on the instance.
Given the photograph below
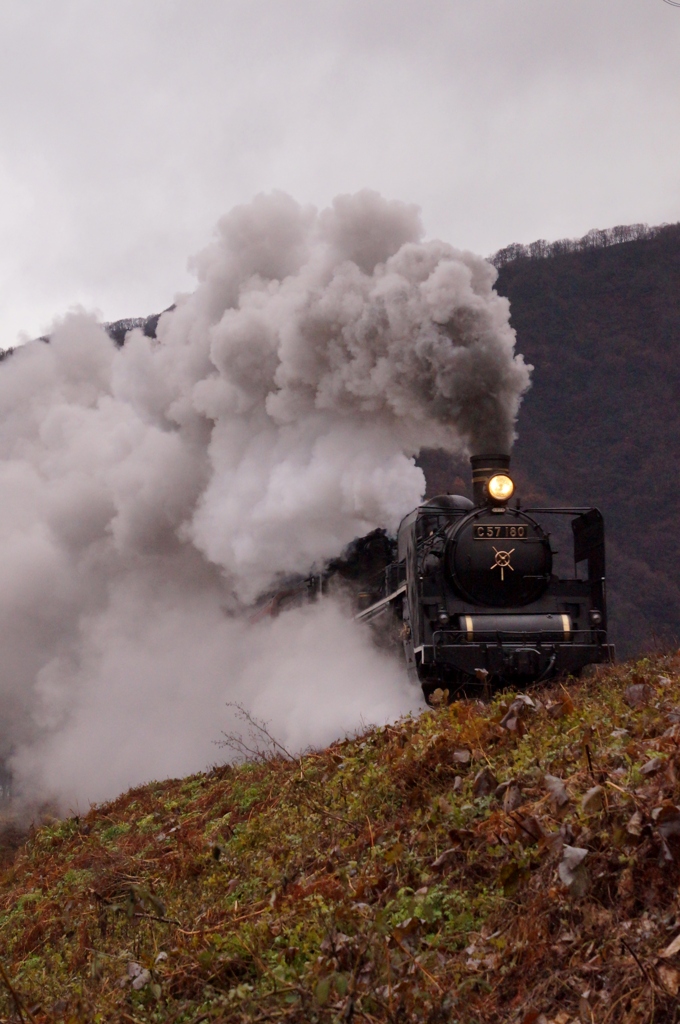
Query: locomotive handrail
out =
(564, 511)
(378, 606)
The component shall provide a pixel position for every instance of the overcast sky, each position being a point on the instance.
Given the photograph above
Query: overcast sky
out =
(127, 127)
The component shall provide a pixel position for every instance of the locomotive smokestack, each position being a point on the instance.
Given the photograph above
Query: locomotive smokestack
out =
(483, 468)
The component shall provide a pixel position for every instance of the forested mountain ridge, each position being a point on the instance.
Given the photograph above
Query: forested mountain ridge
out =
(600, 322)
(601, 422)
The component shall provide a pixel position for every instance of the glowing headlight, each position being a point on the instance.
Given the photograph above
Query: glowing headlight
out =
(500, 487)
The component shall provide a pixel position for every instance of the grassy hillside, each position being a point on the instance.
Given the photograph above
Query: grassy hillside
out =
(515, 861)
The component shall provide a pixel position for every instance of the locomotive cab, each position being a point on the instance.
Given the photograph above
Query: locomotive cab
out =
(475, 588)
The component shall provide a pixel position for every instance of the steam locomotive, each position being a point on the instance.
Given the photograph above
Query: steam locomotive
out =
(474, 592)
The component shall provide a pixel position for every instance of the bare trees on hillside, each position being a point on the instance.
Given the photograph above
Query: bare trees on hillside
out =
(596, 238)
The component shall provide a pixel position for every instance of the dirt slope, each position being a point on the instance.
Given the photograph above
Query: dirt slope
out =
(504, 862)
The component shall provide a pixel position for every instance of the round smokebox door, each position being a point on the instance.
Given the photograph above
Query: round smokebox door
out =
(500, 560)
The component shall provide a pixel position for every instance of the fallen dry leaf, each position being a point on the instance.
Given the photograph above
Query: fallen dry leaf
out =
(672, 948)
(593, 800)
(571, 869)
(512, 798)
(637, 694)
(405, 928)
(512, 718)
(563, 706)
(529, 829)
(557, 790)
(485, 783)
(626, 886)
(445, 858)
(462, 756)
(670, 978)
(634, 826)
(668, 821)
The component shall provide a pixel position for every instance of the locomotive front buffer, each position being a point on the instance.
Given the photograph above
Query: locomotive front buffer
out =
(474, 589)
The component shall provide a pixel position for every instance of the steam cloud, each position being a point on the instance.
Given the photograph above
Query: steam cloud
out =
(150, 493)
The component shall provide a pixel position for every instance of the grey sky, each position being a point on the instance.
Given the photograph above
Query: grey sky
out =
(127, 127)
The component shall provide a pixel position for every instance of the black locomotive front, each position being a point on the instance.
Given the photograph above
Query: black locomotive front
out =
(475, 587)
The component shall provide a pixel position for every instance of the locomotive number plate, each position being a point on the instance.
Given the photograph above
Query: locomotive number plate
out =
(502, 531)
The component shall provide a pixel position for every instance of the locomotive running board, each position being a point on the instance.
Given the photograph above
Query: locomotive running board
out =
(380, 606)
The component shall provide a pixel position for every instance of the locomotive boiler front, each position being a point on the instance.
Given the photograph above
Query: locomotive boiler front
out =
(498, 557)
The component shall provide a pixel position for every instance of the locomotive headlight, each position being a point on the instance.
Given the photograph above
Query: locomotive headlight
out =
(500, 487)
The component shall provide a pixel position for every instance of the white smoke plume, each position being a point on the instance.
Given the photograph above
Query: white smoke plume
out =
(150, 493)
